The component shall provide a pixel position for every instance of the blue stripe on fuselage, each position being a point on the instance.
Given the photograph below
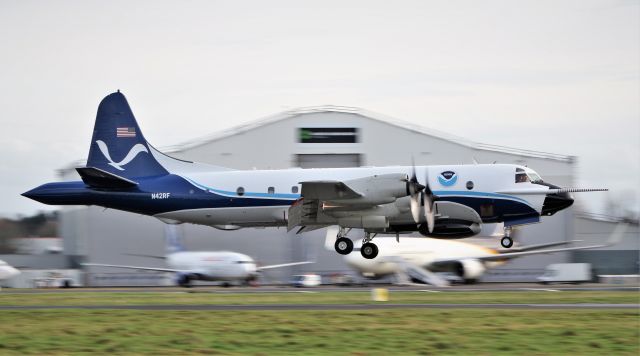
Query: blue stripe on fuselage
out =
(245, 195)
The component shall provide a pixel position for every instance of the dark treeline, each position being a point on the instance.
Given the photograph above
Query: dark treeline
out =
(39, 225)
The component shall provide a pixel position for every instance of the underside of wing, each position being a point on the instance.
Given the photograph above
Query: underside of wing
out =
(328, 190)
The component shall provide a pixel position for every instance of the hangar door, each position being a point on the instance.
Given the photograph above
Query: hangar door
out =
(328, 160)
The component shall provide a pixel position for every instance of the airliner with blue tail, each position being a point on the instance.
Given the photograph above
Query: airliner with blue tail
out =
(125, 172)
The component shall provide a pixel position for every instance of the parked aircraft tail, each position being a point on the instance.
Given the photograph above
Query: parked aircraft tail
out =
(174, 240)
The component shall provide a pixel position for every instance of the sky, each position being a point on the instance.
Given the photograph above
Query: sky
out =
(552, 76)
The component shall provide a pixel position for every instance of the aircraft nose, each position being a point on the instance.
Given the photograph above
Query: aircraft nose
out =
(8, 272)
(14, 272)
(553, 203)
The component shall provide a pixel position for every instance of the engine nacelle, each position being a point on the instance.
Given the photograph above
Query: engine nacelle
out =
(469, 270)
(364, 222)
(184, 279)
(451, 229)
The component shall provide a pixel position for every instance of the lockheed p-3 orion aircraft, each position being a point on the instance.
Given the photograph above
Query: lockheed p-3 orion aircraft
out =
(124, 172)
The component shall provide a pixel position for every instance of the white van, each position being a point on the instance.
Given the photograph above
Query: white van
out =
(566, 273)
(306, 280)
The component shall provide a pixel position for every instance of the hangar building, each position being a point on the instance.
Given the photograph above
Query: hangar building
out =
(315, 137)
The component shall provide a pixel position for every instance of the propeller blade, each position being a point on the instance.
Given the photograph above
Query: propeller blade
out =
(414, 191)
(428, 206)
(428, 210)
(415, 208)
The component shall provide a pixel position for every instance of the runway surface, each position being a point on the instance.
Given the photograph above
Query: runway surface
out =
(487, 287)
(312, 307)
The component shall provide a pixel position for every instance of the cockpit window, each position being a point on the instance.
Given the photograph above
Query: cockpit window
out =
(534, 177)
(244, 262)
(527, 175)
(522, 177)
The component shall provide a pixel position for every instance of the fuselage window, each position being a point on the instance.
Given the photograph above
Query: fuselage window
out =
(271, 190)
(240, 191)
(294, 189)
(469, 185)
(522, 178)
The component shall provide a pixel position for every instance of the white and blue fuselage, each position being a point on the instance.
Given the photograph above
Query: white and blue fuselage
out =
(125, 172)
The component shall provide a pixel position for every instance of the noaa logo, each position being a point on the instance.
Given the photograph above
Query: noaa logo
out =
(133, 152)
(448, 178)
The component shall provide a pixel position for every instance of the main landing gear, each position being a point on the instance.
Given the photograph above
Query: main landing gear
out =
(369, 250)
(507, 241)
(344, 245)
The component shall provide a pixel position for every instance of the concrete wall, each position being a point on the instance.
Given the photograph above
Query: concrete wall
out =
(621, 258)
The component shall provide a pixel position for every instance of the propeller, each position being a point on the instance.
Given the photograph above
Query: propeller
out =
(417, 193)
(429, 214)
(414, 188)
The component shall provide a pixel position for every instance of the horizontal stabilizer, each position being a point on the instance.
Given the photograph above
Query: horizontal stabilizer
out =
(97, 178)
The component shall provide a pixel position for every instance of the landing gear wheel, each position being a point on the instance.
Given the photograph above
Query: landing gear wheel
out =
(343, 245)
(506, 242)
(369, 250)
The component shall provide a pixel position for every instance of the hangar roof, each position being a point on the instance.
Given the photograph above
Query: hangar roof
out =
(350, 110)
(370, 115)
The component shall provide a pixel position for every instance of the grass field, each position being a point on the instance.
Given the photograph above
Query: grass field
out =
(362, 332)
(382, 332)
(363, 297)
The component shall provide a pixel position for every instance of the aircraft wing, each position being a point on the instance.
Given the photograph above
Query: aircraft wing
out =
(147, 256)
(321, 199)
(615, 237)
(158, 269)
(284, 265)
(537, 246)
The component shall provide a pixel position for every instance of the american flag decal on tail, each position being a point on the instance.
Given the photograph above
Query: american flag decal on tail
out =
(125, 132)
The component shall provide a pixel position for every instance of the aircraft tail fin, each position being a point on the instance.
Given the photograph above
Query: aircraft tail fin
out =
(118, 145)
(173, 238)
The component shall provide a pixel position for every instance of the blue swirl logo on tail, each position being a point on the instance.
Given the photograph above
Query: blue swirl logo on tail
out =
(448, 178)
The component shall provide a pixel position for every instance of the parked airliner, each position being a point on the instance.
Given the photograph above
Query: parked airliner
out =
(421, 258)
(124, 172)
(7, 271)
(222, 266)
